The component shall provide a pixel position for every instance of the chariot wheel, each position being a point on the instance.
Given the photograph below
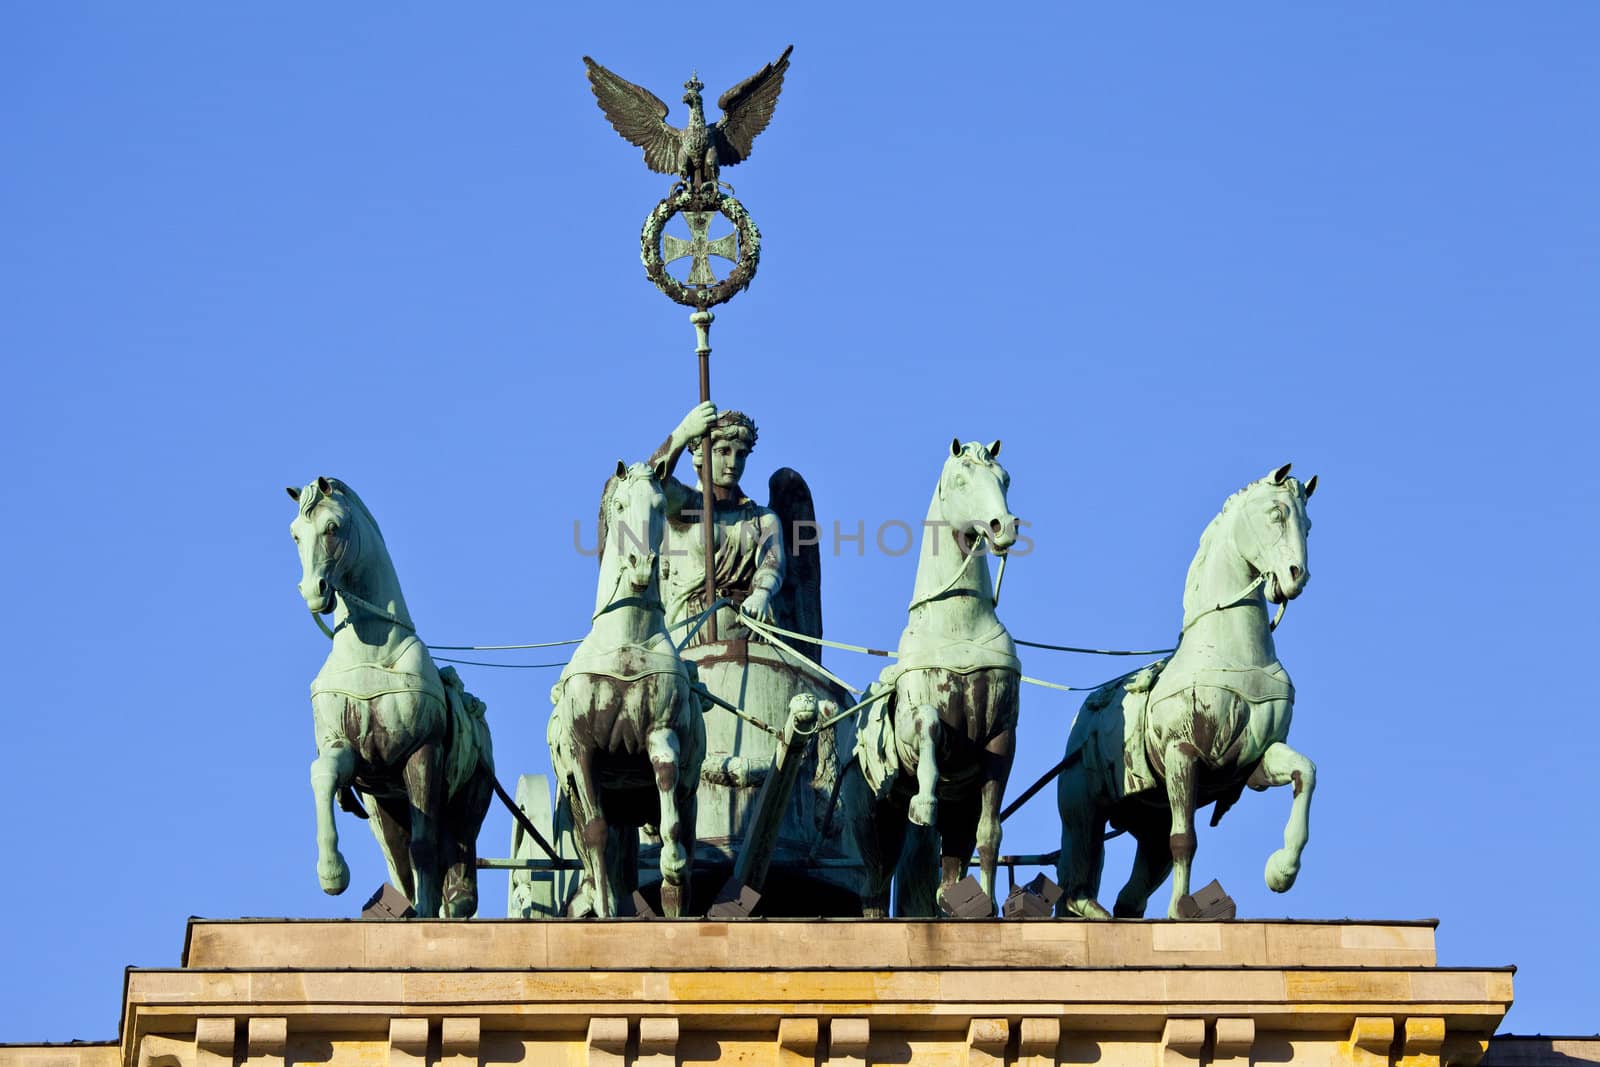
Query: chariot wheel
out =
(540, 894)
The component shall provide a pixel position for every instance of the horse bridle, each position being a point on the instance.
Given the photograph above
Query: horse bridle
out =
(351, 598)
(361, 602)
(1000, 575)
(1237, 598)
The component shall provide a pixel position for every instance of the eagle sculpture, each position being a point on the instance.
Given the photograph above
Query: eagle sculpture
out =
(696, 152)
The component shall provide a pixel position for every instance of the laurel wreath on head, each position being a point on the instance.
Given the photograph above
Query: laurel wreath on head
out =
(695, 296)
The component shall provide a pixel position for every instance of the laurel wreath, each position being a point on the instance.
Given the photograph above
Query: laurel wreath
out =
(695, 296)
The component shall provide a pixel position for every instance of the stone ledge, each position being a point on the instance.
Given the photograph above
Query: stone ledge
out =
(1094, 1000)
(837, 944)
(1124, 994)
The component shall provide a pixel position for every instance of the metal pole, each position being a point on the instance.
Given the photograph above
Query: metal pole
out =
(702, 321)
(754, 860)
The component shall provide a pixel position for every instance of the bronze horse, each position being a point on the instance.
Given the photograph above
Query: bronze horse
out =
(951, 722)
(626, 736)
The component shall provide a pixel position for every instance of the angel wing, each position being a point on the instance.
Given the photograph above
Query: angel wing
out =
(637, 114)
(798, 605)
(602, 527)
(746, 110)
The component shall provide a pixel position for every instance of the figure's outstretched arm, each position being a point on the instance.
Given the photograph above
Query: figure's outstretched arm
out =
(693, 426)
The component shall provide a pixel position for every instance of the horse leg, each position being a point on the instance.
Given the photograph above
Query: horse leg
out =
(1083, 849)
(593, 834)
(1282, 765)
(877, 828)
(390, 819)
(958, 836)
(688, 812)
(916, 876)
(465, 816)
(331, 771)
(924, 809)
(1151, 865)
(662, 745)
(996, 764)
(1181, 767)
(424, 775)
(622, 866)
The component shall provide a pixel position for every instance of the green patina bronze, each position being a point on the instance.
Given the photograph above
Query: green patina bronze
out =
(627, 736)
(749, 562)
(700, 247)
(695, 735)
(762, 800)
(760, 570)
(1147, 751)
(939, 751)
(390, 727)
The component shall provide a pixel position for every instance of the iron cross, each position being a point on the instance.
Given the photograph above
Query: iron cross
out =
(698, 247)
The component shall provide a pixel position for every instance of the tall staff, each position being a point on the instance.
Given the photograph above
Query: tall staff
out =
(702, 320)
(696, 154)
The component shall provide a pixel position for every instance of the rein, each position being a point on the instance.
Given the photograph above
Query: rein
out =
(1233, 602)
(645, 602)
(966, 559)
(351, 598)
(950, 586)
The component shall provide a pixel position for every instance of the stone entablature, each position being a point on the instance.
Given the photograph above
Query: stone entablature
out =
(1143, 994)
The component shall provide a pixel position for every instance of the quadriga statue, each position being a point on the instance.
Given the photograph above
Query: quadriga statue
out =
(1147, 750)
(939, 750)
(390, 726)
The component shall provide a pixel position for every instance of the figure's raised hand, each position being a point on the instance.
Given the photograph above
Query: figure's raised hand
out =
(694, 426)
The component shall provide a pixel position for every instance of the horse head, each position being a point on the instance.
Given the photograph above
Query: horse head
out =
(329, 542)
(972, 497)
(635, 515)
(1270, 530)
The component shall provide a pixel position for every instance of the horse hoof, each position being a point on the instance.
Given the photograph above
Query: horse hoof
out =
(1282, 869)
(462, 907)
(334, 879)
(671, 900)
(1082, 908)
(1129, 908)
(924, 810)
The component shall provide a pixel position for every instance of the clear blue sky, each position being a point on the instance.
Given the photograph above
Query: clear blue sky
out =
(1158, 249)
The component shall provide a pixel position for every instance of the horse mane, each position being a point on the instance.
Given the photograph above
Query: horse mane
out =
(974, 452)
(979, 452)
(312, 495)
(603, 524)
(1208, 539)
(353, 498)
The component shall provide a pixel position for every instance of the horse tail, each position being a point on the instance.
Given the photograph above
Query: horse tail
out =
(468, 746)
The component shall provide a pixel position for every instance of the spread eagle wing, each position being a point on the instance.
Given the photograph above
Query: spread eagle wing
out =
(637, 114)
(798, 605)
(746, 110)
